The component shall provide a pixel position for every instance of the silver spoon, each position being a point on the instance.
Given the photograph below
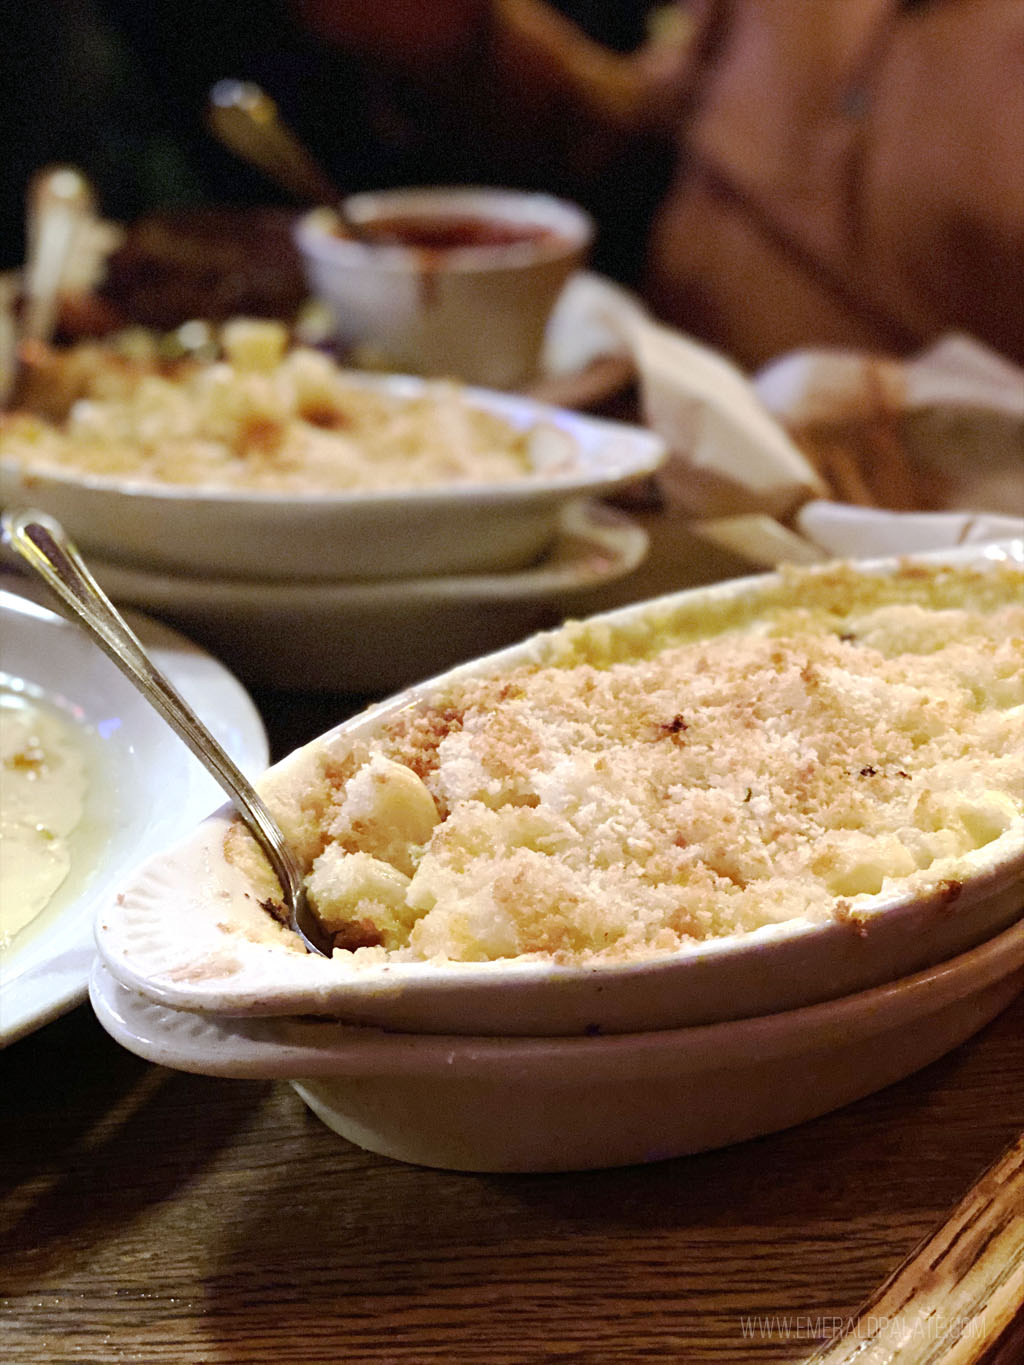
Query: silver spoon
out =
(43, 544)
(243, 117)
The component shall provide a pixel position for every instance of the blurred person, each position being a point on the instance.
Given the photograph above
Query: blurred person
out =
(846, 172)
(771, 173)
(379, 101)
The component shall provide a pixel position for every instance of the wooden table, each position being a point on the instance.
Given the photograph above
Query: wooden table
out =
(152, 1216)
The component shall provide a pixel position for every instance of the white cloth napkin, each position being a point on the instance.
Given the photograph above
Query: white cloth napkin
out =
(957, 379)
(728, 453)
(957, 372)
(750, 488)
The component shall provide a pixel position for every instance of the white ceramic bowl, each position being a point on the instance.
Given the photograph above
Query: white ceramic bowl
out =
(455, 528)
(546, 1104)
(477, 312)
(146, 788)
(164, 935)
(368, 639)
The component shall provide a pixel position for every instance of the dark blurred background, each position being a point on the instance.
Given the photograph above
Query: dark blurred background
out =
(779, 176)
(117, 87)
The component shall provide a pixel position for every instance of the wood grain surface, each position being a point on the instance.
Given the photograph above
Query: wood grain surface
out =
(159, 1218)
(156, 1217)
(957, 1296)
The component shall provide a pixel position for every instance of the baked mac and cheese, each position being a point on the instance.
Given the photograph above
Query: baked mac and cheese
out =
(267, 418)
(685, 775)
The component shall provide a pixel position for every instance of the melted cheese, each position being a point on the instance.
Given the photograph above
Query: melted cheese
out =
(43, 785)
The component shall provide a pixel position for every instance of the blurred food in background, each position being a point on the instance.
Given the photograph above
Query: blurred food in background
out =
(212, 262)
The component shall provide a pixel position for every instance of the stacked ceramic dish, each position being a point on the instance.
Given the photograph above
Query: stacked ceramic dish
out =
(568, 1058)
(358, 588)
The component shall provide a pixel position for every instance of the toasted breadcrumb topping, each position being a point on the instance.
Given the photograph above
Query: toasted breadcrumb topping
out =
(697, 773)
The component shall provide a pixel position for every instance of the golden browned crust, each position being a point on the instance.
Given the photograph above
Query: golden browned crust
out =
(702, 772)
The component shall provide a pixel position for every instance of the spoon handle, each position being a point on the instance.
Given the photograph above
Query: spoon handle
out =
(246, 120)
(42, 543)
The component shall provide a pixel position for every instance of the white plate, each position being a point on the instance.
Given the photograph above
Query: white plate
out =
(370, 638)
(461, 528)
(166, 935)
(536, 1104)
(142, 772)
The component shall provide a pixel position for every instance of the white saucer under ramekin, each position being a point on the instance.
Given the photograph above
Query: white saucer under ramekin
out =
(546, 1104)
(371, 638)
